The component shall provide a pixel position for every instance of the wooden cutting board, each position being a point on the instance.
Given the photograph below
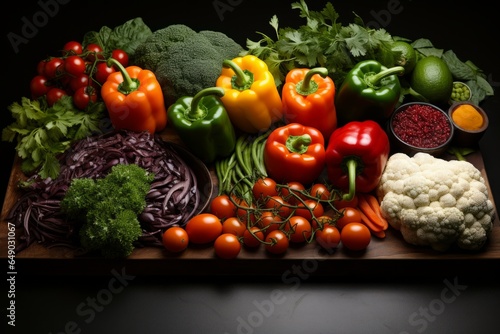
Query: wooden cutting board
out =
(391, 254)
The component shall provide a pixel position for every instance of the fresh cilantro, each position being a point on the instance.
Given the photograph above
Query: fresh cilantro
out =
(322, 41)
(42, 133)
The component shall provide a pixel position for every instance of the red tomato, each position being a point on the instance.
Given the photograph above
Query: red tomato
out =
(227, 246)
(291, 191)
(328, 237)
(39, 86)
(79, 81)
(102, 72)
(320, 191)
(310, 209)
(353, 203)
(203, 228)
(72, 48)
(74, 65)
(322, 221)
(277, 242)
(234, 226)
(222, 207)
(54, 94)
(83, 96)
(245, 212)
(269, 221)
(253, 237)
(175, 239)
(350, 215)
(94, 52)
(300, 229)
(355, 236)
(121, 56)
(264, 188)
(54, 68)
(279, 205)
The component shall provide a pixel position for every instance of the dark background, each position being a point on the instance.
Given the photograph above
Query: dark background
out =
(260, 304)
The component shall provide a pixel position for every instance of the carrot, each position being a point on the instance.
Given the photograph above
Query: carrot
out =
(367, 210)
(380, 234)
(375, 205)
(374, 228)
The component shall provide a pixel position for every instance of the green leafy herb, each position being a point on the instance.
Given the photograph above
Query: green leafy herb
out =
(125, 37)
(321, 42)
(42, 132)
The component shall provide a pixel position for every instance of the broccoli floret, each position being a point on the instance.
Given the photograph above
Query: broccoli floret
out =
(185, 61)
(108, 209)
(150, 52)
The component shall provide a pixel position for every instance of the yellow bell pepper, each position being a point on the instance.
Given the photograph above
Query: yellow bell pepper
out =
(251, 97)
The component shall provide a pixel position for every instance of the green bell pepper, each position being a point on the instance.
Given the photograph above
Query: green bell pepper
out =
(370, 91)
(203, 124)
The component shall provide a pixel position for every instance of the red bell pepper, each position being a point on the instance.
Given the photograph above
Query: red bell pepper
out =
(356, 156)
(308, 98)
(294, 153)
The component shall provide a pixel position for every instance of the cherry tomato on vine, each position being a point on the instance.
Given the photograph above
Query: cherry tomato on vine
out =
(328, 237)
(299, 228)
(322, 221)
(355, 236)
(40, 67)
(72, 47)
(39, 86)
(350, 215)
(253, 237)
(277, 242)
(121, 56)
(203, 228)
(244, 211)
(339, 204)
(320, 191)
(234, 226)
(54, 94)
(74, 65)
(292, 191)
(269, 221)
(54, 68)
(94, 52)
(279, 205)
(310, 209)
(222, 206)
(175, 239)
(227, 246)
(79, 81)
(102, 72)
(264, 188)
(83, 96)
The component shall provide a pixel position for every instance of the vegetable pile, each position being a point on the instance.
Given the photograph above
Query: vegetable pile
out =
(172, 197)
(293, 128)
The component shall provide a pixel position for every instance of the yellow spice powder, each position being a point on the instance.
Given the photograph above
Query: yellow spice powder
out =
(467, 117)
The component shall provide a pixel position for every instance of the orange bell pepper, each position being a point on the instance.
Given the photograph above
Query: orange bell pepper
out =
(134, 99)
(308, 97)
(251, 97)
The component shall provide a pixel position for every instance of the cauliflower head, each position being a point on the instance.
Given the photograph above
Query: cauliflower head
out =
(435, 202)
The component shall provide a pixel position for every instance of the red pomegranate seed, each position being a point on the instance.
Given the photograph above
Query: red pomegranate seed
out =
(422, 126)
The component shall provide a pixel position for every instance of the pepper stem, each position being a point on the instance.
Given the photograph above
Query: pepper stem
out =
(128, 85)
(309, 86)
(372, 79)
(298, 144)
(243, 79)
(196, 111)
(352, 165)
